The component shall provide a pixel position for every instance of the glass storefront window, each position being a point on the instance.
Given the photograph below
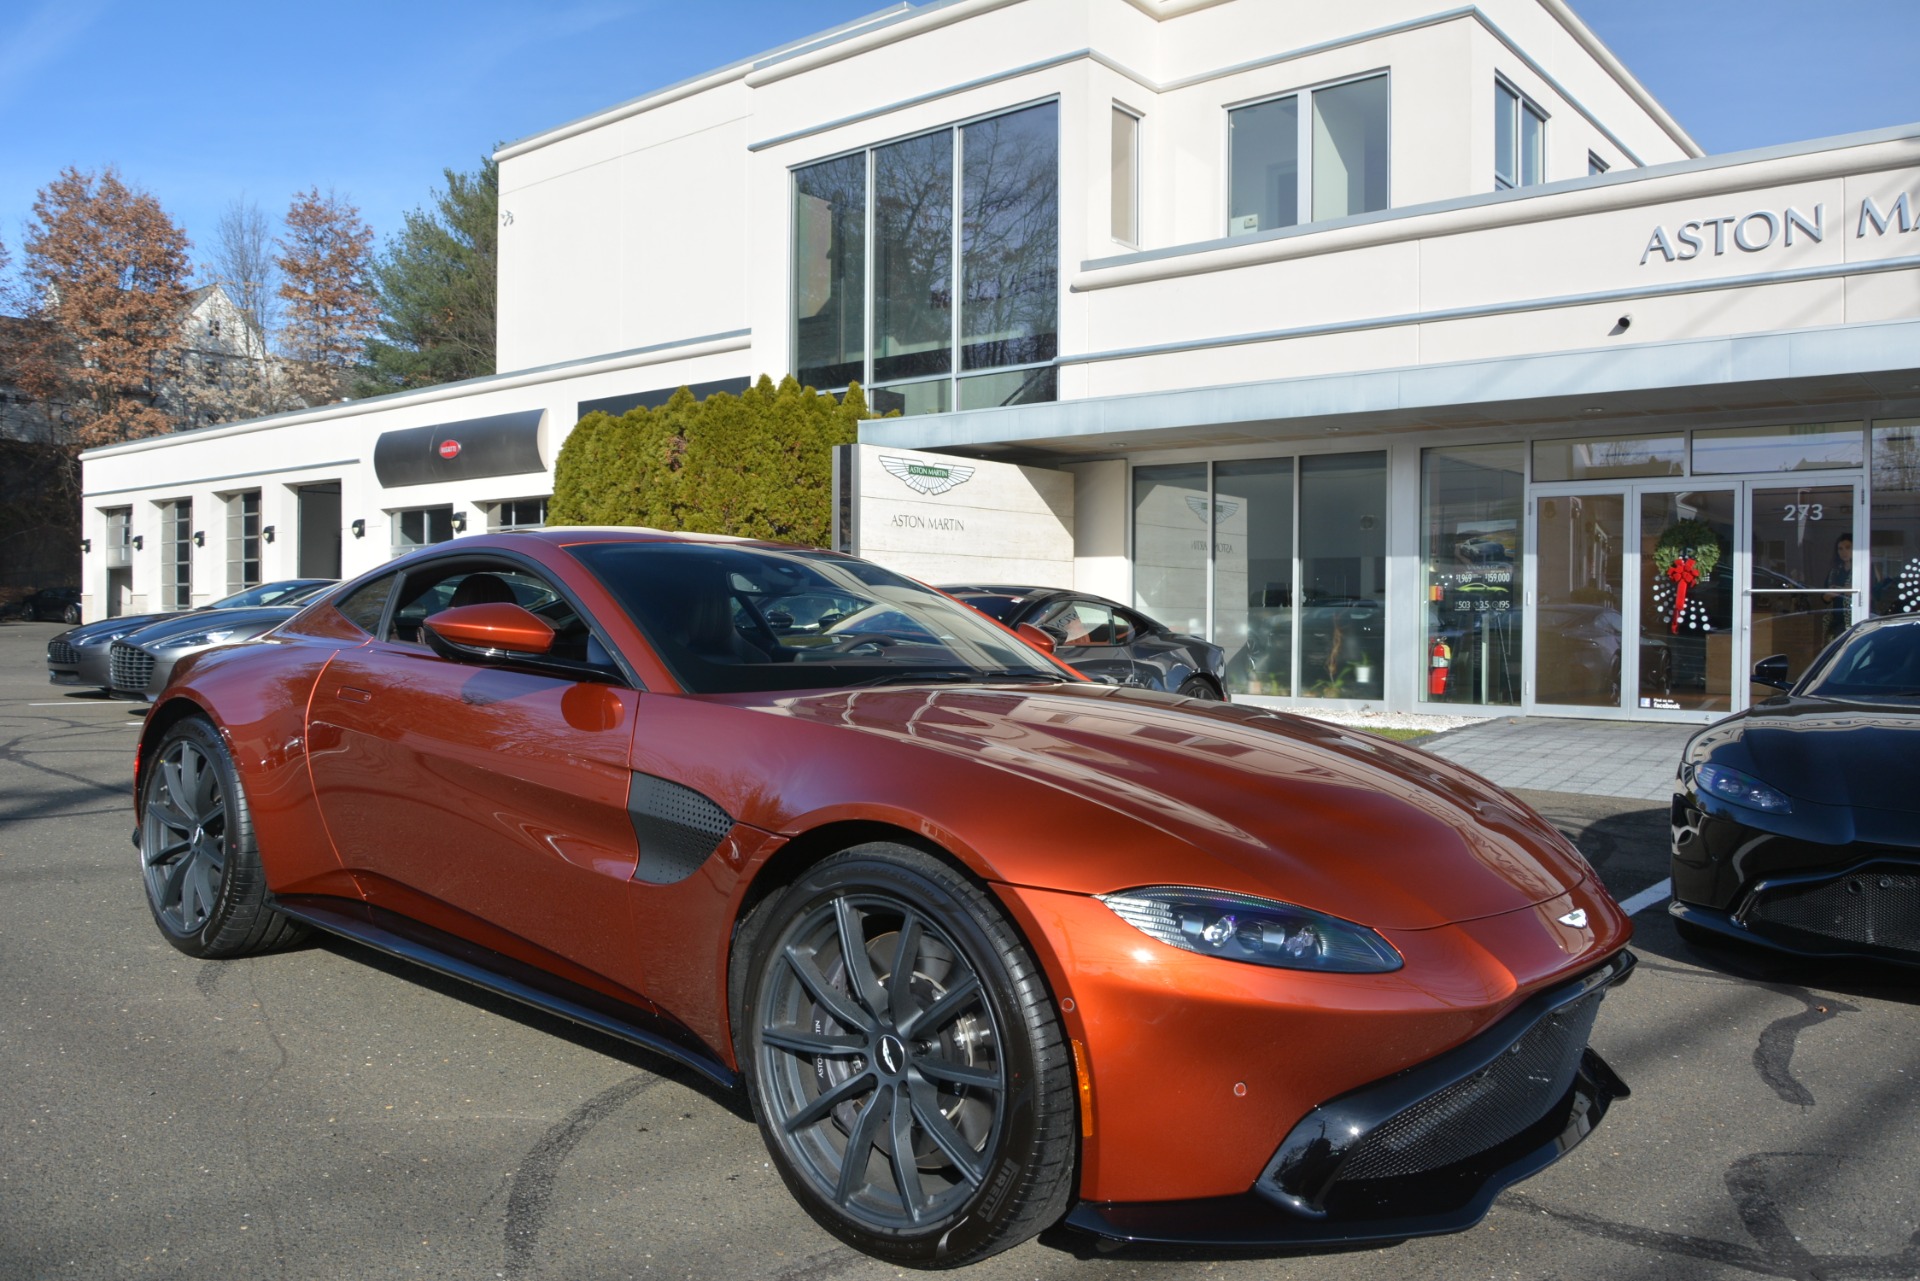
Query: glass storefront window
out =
(1172, 515)
(1577, 617)
(1472, 511)
(1800, 556)
(1015, 387)
(1801, 447)
(1686, 600)
(1343, 575)
(1010, 239)
(1893, 559)
(1253, 573)
(1608, 458)
(913, 258)
(830, 271)
(908, 399)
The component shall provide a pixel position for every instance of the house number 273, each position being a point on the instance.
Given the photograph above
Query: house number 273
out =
(1805, 511)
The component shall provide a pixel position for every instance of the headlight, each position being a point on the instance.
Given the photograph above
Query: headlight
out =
(107, 639)
(1742, 789)
(213, 637)
(1256, 930)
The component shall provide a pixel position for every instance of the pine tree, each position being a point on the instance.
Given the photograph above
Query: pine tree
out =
(436, 286)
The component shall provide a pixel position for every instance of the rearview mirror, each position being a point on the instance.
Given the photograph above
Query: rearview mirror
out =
(492, 630)
(1035, 637)
(1772, 671)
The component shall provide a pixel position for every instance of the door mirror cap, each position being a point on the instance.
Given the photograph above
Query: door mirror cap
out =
(488, 632)
(1772, 671)
(1035, 637)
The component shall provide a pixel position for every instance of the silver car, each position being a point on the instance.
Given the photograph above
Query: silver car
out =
(140, 665)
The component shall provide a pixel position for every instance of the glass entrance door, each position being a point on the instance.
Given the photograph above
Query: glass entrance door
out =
(1801, 591)
(1654, 600)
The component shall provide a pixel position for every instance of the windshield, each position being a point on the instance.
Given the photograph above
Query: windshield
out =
(1881, 662)
(289, 591)
(738, 619)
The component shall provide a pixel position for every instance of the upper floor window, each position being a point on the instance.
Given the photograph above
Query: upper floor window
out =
(1126, 176)
(876, 239)
(1313, 155)
(518, 513)
(1519, 139)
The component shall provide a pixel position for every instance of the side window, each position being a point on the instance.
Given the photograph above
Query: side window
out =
(1077, 624)
(365, 606)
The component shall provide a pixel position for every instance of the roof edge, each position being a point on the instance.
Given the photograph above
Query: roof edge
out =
(1577, 27)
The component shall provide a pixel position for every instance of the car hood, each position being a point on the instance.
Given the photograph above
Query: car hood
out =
(259, 618)
(1225, 796)
(91, 633)
(1854, 754)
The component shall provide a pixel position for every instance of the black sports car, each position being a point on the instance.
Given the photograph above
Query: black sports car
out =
(52, 604)
(1107, 641)
(1796, 824)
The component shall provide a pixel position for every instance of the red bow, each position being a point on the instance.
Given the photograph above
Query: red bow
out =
(1684, 575)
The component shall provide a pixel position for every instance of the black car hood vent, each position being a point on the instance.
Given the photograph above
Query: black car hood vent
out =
(678, 828)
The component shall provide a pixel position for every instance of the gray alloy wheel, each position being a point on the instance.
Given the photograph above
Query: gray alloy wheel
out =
(1195, 687)
(204, 882)
(904, 1059)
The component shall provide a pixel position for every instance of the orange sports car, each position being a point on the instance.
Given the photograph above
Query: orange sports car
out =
(988, 945)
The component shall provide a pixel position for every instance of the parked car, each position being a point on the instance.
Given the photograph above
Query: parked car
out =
(989, 945)
(1107, 641)
(140, 663)
(1796, 823)
(51, 605)
(83, 655)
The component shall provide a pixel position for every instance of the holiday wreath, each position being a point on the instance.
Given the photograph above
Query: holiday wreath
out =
(1684, 557)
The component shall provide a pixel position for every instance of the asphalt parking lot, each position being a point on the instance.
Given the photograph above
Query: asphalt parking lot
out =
(327, 1113)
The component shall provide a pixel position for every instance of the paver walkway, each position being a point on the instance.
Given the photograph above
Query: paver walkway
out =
(1591, 758)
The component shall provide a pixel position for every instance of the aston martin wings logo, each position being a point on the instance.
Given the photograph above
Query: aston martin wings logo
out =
(1222, 509)
(928, 478)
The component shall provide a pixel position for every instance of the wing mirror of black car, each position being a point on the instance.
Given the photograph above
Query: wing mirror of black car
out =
(1772, 671)
(1038, 637)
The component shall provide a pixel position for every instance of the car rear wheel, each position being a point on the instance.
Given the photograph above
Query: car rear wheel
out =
(1195, 687)
(205, 885)
(904, 1059)
(71, 614)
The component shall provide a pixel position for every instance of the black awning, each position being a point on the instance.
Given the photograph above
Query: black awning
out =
(502, 445)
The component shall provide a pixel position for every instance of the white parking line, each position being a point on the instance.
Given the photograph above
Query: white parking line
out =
(1648, 897)
(85, 702)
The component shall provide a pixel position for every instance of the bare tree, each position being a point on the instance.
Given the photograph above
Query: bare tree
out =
(325, 258)
(243, 264)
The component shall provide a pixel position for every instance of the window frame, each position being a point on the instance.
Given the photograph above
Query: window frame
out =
(1595, 165)
(1522, 107)
(1303, 153)
(868, 151)
(1136, 184)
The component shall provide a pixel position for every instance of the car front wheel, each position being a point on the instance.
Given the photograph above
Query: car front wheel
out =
(906, 1065)
(205, 885)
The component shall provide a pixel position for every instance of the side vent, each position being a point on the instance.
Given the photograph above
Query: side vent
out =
(678, 828)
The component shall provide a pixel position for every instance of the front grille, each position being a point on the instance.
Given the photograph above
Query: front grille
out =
(62, 654)
(130, 668)
(1484, 1110)
(1874, 908)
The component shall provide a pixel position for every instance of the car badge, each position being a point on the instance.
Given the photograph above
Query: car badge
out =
(930, 479)
(1577, 918)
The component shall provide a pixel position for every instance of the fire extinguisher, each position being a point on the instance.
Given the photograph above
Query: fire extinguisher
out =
(1438, 666)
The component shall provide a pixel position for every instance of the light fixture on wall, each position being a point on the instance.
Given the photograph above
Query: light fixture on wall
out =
(199, 538)
(266, 533)
(86, 545)
(459, 522)
(359, 529)
(139, 542)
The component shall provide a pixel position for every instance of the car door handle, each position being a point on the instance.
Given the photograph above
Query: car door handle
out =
(353, 694)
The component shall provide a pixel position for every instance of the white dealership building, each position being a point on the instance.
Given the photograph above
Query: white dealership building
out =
(1415, 355)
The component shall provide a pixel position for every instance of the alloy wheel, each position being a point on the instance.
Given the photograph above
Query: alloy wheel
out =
(183, 837)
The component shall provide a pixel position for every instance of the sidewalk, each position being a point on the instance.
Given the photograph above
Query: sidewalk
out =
(1589, 758)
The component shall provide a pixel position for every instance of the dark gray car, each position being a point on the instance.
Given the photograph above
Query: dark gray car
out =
(1105, 640)
(83, 655)
(141, 664)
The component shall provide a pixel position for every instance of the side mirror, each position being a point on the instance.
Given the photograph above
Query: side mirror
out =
(1772, 671)
(1035, 637)
(487, 633)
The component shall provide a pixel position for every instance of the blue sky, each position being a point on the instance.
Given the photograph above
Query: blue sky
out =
(200, 101)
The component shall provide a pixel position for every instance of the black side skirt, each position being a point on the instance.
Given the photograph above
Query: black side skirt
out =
(455, 957)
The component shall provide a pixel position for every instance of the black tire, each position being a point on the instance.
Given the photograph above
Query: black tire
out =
(205, 885)
(71, 614)
(970, 1063)
(1199, 687)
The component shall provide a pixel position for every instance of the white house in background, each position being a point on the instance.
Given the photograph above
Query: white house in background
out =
(1402, 349)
